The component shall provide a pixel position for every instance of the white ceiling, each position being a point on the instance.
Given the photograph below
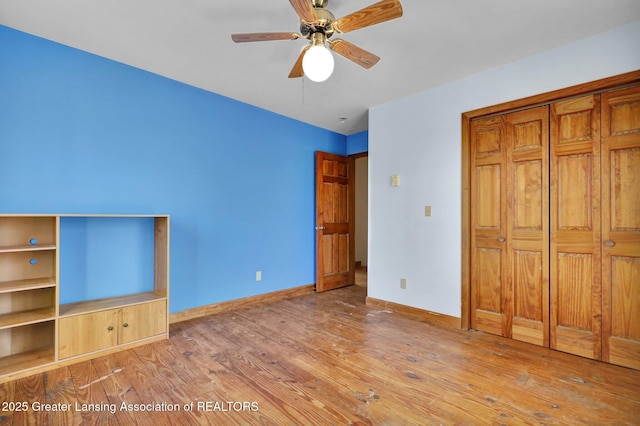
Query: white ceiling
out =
(436, 41)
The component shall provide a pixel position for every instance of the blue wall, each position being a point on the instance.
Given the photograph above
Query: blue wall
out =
(105, 257)
(358, 143)
(83, 134)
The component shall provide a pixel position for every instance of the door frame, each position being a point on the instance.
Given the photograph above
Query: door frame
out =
(615, 82)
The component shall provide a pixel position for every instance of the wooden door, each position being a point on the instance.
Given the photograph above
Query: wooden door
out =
(621, 227)
(575, 227)
(142, 321)
(81, 334)
(509, 225)
(335, 223)
(527, 216)
(488, 225)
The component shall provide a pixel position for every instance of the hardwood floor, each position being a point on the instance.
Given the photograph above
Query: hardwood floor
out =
(326, 359)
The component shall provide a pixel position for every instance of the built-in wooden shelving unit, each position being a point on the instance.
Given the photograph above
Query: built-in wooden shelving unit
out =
(37, 332)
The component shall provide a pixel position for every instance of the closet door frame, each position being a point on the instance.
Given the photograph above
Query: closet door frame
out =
(619, 81)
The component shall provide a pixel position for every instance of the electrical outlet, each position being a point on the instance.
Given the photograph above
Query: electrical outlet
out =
(258, 275)
(403, 283)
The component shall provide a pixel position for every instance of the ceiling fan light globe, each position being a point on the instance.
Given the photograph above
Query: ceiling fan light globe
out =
(318, 63)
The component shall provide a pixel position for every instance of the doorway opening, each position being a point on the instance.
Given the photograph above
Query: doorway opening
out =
(361, 216)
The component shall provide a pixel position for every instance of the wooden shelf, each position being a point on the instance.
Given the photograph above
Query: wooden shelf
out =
(32, 335)
(89, 306)
(15, 249)
(16, 319)
(24, 285)
(26, 360)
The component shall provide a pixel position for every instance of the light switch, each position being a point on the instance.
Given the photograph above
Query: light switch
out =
(395, 180)
(427, 210)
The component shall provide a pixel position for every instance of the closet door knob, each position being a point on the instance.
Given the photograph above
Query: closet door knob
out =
(609, 243)
(110, 328)
(126, 324)
(501, 239)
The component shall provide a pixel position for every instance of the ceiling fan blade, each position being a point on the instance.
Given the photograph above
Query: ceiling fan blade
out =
(247, 37)
(297, 70)
(304, 9)
(382, 11)
(354, 53)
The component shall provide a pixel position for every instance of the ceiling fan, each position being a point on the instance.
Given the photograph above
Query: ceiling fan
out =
(318, 24)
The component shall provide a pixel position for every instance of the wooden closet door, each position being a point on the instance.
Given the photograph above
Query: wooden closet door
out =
(527, 242)
(621, 227)
(575, 227)
(488, 225)
(509, 225)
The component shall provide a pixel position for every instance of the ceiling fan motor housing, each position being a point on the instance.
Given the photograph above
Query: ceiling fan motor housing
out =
(322, 25)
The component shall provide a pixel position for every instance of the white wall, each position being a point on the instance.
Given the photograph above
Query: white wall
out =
(419, 139)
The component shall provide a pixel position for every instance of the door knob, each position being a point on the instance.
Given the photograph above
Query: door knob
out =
(126, 324)
(320, 228)
(609, 243)
(110, 328)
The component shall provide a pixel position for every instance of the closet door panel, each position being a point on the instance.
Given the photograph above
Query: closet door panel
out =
(625, 190)
(528, 321)
(528, 225)
(488, 300)
(577, 300)
(488, 226)
(529, 194)
(489, 197)
(575, 227)
(575, 189)
(621, 227)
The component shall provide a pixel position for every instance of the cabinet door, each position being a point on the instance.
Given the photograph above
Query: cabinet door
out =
(142, 321)
(621, 227)
(86, 333)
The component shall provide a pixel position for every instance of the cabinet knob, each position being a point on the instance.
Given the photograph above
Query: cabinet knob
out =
(609, 243)
(126, 324)
(501, 239)
(110, 328)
